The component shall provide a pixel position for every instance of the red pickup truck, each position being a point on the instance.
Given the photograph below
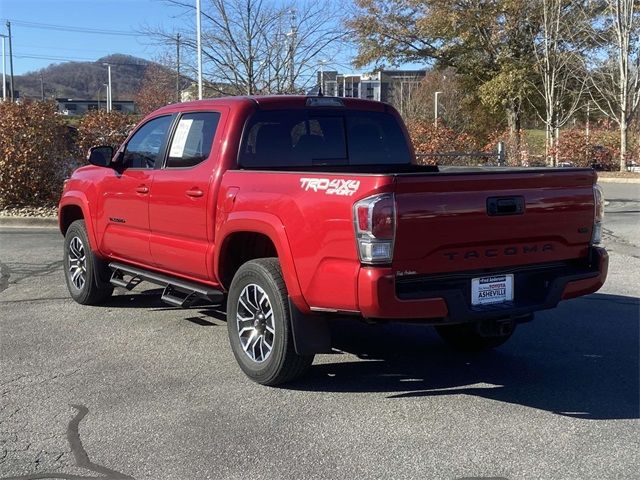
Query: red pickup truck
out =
(295, 210)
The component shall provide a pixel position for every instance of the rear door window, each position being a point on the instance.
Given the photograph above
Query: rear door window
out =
(192, 139)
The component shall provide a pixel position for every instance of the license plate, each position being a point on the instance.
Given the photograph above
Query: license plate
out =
(488, 290)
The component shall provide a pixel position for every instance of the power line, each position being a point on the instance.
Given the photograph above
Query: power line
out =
(143, 63)
(69, 28)
(48, 57)
(55, 47)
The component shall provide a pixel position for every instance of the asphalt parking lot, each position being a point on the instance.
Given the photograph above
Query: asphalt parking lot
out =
(136, 389)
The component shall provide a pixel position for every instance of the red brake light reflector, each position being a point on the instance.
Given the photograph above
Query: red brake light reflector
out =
(363, 217)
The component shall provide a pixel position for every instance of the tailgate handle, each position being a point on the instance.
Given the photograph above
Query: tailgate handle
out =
(498, 206)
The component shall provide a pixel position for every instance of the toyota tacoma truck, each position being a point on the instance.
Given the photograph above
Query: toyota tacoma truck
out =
(294, 211)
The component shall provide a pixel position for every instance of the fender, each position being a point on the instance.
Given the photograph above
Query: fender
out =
(78, 199)
(272, 227)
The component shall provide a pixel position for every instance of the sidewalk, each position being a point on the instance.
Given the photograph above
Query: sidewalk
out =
(32, 222)
(618, 180)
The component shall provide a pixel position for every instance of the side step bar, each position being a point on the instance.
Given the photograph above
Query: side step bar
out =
(177, 292)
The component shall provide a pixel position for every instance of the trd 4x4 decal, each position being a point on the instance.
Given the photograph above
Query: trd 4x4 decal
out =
(337, 186)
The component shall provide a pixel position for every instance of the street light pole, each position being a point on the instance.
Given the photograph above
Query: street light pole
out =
(199, 48)
(435, 108)
(109, 98)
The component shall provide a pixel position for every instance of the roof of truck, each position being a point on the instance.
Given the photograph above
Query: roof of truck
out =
(280, 102)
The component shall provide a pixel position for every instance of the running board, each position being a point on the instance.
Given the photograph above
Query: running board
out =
(177, 292)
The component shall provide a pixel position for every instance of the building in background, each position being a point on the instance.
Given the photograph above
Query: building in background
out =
(384, 86)
(71, 106)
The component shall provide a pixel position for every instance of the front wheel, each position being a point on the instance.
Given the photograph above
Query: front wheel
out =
(467, 337)
(80, 265)
(259, 325)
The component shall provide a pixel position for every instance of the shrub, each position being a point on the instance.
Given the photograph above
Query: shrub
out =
(101, 128)
(601, 149)
(35, 154)
(516, 153)
(429, 140)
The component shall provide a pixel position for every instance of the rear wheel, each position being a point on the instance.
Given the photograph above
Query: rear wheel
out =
(467, 337)
(259, 325)
(80, 267)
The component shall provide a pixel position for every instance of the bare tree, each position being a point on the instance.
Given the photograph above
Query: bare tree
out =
(616, 79)
(560, 67)
(313, 32)
(415, 98)
(261, 46)
(157, 89)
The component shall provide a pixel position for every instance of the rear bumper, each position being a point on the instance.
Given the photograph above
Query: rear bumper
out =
(446, 298)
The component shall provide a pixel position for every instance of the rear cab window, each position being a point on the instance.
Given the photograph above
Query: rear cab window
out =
(307, 138)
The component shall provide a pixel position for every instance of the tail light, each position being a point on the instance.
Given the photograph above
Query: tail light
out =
(374, 220)
(598, 201)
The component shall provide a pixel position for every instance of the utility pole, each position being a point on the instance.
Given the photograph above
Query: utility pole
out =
(178, 67)
(321, 87)
(587, 125)
(109, 92)
(41, 86)
(10, 62)
(106, 89)
(292, 51)
(4, 70)
(199, 48)
(435, 108)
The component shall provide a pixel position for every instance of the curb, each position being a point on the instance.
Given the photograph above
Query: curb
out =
(618, 180)
(18, 222)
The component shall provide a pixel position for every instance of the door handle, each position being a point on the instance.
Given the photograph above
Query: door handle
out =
(142, 189)
(195, 192)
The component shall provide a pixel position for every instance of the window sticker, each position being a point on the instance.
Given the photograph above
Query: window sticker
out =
(180, 137)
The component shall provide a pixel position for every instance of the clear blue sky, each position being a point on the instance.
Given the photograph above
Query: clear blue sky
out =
(58, 46)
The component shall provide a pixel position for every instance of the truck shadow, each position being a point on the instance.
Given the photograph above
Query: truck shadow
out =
(580, 360)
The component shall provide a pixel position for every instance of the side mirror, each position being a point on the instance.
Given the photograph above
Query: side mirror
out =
(100, 156)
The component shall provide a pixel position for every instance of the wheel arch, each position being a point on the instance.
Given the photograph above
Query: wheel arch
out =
(247, 237)
(72, 209)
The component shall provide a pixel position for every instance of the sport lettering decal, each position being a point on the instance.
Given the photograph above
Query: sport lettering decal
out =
(336, 186)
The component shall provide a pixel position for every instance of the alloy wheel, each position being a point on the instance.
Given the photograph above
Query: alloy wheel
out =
(76, 263)
(255, 323)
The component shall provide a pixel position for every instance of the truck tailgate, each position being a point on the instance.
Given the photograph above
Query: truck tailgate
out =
(483, 221)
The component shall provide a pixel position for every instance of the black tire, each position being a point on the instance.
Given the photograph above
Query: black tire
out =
(88, 292)
(259, 278)
(466, 338)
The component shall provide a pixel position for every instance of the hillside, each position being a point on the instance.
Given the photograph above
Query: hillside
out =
(84, 79)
